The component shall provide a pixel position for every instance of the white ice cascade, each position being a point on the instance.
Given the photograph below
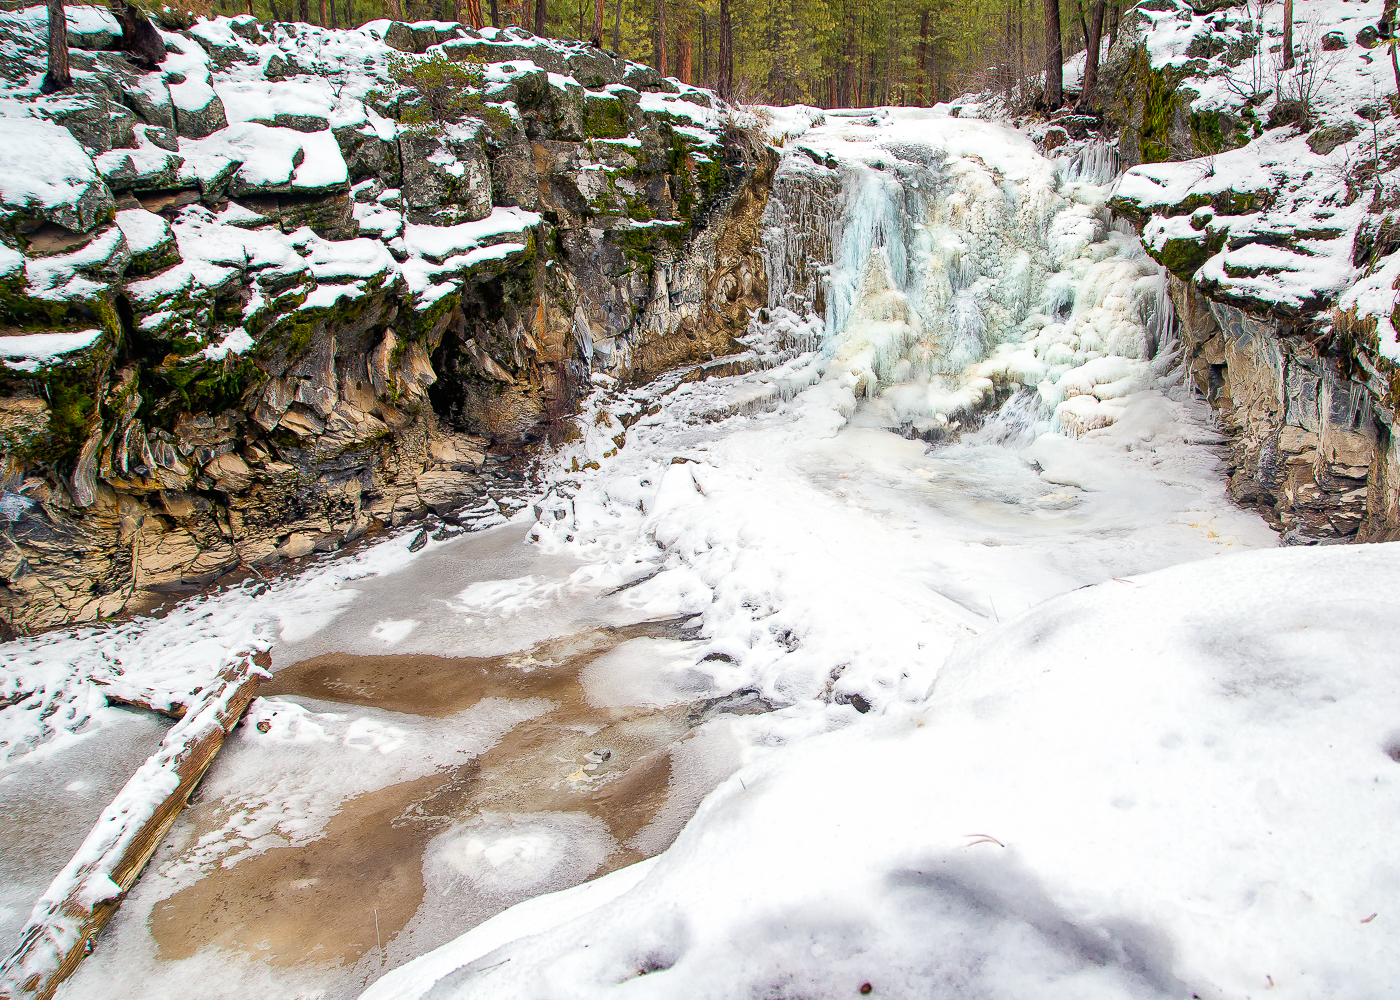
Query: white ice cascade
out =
(950, 262)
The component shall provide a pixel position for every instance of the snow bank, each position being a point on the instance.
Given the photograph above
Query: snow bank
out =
(55, 685)
(1196, 801)
(41, 346)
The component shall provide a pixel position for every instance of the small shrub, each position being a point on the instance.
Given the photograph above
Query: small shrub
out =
(435, 91)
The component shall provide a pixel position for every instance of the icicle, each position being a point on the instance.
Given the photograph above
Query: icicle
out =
(1096, 163)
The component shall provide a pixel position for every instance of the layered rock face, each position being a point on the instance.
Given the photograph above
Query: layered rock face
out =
(269, 297)
(1268, 194)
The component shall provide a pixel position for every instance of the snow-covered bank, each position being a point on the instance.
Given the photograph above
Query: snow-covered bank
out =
(1175, 784)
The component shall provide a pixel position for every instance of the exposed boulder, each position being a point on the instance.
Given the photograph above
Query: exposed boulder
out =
(1329, 137)
(446, 175)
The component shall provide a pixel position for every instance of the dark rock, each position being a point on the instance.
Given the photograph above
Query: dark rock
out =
(139, 170)
(400, 36)
(1333, 41)
(1368, 37)
(1054, 138)
(278, 68)
(856, 701)
(301, 123)
(1329, 137)
(745, 701)
(1287, 112)
(92, 116)
(419, 540)
(203, 118)
(446, 175)
(246, 26)
(139, 39)
(367, 155)
(150, 99)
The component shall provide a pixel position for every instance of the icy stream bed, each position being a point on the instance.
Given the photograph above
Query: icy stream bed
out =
(418, 762)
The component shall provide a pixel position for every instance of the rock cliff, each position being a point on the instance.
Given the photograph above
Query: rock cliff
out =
(298, 285)
(1269, 195)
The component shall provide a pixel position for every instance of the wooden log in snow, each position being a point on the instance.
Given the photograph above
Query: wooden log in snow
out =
(67, 919)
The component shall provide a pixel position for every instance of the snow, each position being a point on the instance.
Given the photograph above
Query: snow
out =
(41, 164)
(1158, 813)
(342, 259)
(276, 158)
(441, 242)
(236, 341)
(65, 277)
(669, 105)
(1374, 297)
(58, 681)
(143, 230)
(262, 101)
(41, 346)
(961, 261)
(968, 775)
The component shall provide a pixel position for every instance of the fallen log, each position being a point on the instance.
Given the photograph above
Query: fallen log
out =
(66, 921)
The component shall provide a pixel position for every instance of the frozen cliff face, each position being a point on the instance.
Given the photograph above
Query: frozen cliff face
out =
(260, 301)
(951, 263)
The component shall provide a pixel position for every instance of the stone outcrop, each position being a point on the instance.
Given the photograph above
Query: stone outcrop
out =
(293, 327)
(1268, 253)
(1303, 435)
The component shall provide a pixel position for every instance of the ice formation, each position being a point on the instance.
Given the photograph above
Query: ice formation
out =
(951, 262)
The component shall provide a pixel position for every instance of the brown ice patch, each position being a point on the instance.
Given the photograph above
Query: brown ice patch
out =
(316, 902)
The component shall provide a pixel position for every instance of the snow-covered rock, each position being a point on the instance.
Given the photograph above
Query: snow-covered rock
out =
(245, 283)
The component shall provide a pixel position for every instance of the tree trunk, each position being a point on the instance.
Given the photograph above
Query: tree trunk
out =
(726, 52)
(541, 15)
(1288, 34)
(1021, 44)
(1083, 25)
(58, 77)
(1113, 25)
(250, 8)
(659, 42)
(1054, 57)
(704, 48)
(684, 54)
(81, 900)
(495, 14)
(923, 56)
(304, 9)
(473, 14)
(323, 13)
(1008, 48)
(889, 55)
(1091, 55)
(596, 36)
(617, 27)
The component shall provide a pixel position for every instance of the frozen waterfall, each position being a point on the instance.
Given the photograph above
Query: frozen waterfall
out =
(950, 264)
